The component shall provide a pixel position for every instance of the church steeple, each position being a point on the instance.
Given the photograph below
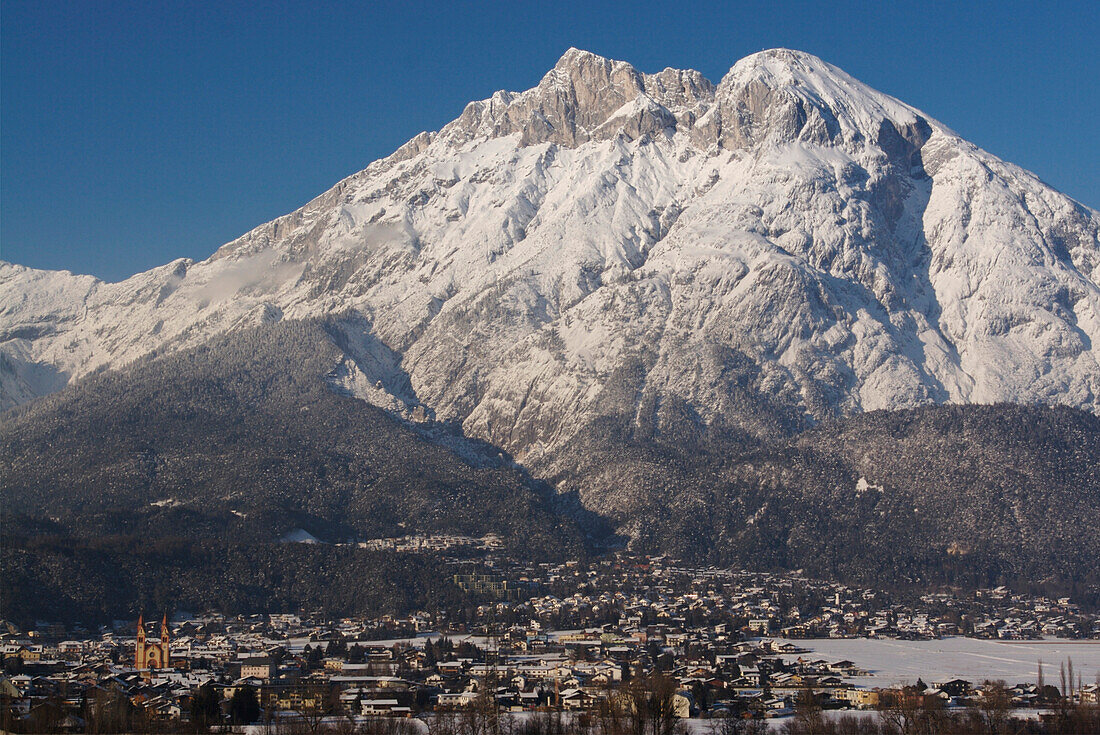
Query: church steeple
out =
(165, 653)
(139, 645)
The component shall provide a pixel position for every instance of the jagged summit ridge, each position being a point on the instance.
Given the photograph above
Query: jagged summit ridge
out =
(781, 247)
(574, 100)
(588, 97)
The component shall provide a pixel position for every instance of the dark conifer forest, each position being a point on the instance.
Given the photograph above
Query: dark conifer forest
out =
(173, 480)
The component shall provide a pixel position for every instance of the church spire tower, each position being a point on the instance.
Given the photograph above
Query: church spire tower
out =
(166, 659)
(139, 645)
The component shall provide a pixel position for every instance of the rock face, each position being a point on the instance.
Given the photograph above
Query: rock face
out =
(786, 246)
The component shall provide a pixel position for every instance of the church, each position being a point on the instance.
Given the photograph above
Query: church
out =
(150, 655)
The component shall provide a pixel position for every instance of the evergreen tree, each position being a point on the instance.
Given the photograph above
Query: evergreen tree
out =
(205, 711)
(244, 707)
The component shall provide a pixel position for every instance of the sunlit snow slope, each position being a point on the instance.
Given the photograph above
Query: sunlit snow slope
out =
(789, 229)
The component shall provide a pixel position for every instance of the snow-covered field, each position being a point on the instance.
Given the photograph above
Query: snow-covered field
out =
(901, 662)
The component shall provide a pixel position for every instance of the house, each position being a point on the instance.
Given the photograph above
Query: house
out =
(575, 699)
(682, 703)
(258, 668)
(955, 687)
(750, 677)
(11, 650)
(295, 699)
(845, 668)
(448, 700)
(760, 626)
(858, 698)
(378, 706)
(247, 681)
(70, 647)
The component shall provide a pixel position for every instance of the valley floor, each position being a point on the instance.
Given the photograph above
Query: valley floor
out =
(897, 662)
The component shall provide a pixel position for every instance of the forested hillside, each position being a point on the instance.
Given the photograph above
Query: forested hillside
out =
(242, 438)
(176, 477)
(962, 495)
(172, 482)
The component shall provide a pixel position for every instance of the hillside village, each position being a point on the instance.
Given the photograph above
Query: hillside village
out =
(530, 638)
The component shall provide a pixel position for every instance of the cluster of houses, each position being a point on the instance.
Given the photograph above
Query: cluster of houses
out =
(294, 666)
(431, 543)
(727, 642)
(786, 605)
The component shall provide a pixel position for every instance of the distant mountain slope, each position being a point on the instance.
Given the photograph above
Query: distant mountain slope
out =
(200, 461)
(967, 495)
(241, 438)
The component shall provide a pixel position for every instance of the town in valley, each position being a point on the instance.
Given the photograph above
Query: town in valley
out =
(537, 644)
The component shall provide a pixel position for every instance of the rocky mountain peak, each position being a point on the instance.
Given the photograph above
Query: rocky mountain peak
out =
(587, 97)
(787, 243)
(783, 95)
(782, 64)
(578, 63)
(778, 95)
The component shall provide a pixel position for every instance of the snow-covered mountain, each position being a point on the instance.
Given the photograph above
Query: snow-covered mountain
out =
(788, 231)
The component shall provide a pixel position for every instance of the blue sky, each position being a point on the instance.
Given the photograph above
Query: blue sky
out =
(135, 133)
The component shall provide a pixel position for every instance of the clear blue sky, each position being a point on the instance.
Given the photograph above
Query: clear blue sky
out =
(135, 133)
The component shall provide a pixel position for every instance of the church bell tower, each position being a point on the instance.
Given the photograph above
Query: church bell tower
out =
(139, 646)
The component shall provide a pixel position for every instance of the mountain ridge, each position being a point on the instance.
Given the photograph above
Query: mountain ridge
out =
(851, 250)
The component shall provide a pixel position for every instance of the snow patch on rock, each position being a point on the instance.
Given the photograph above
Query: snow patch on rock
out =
(788, 227)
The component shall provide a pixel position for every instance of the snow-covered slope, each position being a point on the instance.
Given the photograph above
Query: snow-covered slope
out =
(788, 228)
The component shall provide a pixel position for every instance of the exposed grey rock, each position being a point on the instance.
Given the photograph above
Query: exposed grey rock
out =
(844, 249)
